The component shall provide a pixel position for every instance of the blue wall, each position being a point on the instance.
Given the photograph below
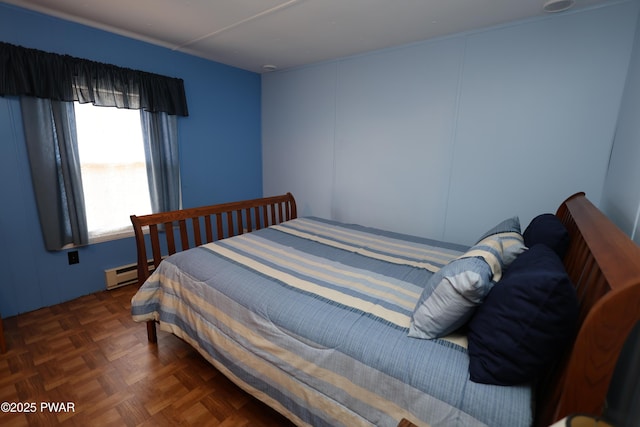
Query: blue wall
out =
(219, 147)
(447, 137)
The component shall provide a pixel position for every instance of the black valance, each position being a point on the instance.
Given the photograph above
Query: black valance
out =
(31, 72)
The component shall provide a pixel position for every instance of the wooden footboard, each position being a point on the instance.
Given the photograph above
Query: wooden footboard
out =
(162, 234)
(604, 265)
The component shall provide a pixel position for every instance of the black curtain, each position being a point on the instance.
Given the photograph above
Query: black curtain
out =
(31, 72)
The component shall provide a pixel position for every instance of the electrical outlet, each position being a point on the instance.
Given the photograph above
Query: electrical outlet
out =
(74, 258)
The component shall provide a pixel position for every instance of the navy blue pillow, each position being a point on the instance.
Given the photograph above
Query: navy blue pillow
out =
(547, 229)
(525, 321)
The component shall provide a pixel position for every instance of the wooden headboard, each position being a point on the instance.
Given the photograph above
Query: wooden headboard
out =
(604, 265)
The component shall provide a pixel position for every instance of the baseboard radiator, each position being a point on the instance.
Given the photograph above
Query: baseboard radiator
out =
(123, 275)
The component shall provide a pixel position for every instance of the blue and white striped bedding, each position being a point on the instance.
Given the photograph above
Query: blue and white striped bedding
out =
(311, 317)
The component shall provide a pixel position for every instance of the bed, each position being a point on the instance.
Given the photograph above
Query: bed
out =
(315, 318)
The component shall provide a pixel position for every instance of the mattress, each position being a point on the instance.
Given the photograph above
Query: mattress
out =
(311, 316)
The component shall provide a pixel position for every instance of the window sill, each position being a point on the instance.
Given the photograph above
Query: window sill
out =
(107, 237)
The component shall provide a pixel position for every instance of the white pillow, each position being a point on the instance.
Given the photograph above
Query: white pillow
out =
(449, 298)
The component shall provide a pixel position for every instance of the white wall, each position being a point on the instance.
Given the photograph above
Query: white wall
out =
(621, 196)
(447, 137)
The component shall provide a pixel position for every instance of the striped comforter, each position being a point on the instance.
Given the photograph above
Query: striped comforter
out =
(311, 317)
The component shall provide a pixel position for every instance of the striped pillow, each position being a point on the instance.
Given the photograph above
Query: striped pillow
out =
(452, 294)
(450, 297)
(500, 246)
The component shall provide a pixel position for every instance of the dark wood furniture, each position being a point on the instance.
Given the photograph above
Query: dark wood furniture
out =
(603, 263)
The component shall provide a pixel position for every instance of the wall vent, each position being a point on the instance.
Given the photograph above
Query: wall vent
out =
(123, 275)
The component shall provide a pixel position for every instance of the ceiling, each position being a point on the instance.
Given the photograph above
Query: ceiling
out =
(287, 33)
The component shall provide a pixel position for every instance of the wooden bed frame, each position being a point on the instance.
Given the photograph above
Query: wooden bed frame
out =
(602, 262)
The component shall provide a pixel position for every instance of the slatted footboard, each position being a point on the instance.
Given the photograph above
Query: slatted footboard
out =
(162, 234)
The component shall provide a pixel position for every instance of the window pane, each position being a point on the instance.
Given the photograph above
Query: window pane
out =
(114, 173)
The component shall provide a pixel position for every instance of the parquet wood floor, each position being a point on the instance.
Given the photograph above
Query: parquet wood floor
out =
(89, 352)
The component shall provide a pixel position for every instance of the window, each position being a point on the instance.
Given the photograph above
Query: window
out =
(113, 169)
(48, 84)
